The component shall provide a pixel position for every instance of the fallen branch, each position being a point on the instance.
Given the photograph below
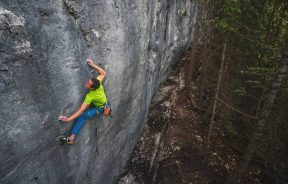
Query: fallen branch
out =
(232, 108)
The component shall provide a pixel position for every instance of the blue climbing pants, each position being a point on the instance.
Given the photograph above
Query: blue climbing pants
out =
(80, 121)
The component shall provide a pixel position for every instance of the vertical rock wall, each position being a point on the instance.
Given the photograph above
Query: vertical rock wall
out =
(43, 48)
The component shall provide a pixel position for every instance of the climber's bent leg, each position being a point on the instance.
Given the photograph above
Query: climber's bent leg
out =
(80, 121)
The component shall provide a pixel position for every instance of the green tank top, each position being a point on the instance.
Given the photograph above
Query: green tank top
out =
(96, 97)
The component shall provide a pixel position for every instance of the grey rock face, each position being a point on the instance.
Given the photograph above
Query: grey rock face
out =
(43, 48)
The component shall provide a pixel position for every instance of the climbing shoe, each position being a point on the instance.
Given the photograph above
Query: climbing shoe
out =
(66, 140)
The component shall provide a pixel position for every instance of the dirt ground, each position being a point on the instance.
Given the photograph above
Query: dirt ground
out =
(171, 148)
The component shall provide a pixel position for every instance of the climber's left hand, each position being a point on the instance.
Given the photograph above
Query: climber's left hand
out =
(63, 118)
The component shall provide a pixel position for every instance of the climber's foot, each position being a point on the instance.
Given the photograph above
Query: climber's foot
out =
(65, 140)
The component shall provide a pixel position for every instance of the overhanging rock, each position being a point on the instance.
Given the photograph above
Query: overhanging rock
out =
(44, 45)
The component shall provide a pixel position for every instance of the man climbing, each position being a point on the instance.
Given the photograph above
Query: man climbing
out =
(93, 104)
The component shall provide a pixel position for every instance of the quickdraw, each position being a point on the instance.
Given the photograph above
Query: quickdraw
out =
(107, 109)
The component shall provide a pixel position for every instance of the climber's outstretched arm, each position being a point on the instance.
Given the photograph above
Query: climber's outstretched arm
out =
(102, 72)
(83, 107)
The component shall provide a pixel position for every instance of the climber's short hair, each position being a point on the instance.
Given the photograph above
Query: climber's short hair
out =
(95, 83)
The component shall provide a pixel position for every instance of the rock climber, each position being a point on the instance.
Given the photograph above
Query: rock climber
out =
(93, 104)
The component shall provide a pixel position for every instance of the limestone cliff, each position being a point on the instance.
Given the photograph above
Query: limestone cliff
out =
(43, 48)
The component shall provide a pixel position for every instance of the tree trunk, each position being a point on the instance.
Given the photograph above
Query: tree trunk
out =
(282, 69)
(194, 52)
(216, 96)
(205, 64)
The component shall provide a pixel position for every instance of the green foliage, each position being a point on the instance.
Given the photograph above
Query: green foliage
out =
(240, 91)
(255, 83)
(256, 32)
(229, 15)
(259, 70)
(230, 129)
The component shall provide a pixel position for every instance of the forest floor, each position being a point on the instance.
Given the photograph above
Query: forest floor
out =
(171, 148)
